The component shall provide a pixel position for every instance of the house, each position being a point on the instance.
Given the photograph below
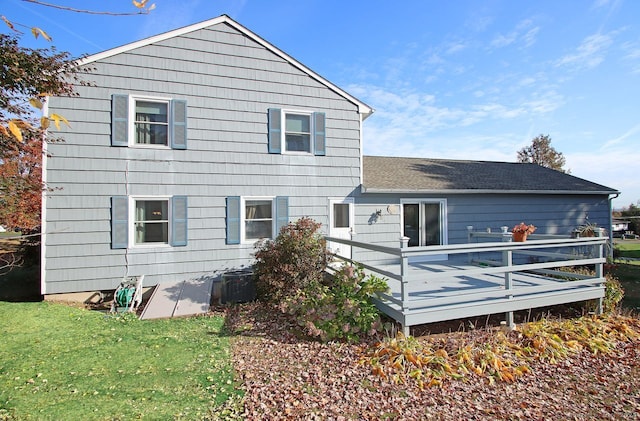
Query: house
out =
(188, 147)
(620, 228)
(191, 145)
(433, 201)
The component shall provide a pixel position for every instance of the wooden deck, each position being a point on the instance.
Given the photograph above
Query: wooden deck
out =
(481, 278)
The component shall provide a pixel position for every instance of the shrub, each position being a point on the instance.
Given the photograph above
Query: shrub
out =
(294, 260)
(613, 292)
(340, 309)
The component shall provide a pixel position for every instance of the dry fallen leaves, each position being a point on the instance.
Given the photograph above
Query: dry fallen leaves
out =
(287, 377)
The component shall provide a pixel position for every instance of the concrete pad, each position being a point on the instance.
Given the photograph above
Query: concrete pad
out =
(195, 298)
(180, 298)
(163, 301)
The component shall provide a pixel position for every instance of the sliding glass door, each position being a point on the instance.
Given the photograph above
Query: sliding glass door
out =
(424, 222)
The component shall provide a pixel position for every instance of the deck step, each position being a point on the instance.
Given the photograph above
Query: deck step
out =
(180, 298)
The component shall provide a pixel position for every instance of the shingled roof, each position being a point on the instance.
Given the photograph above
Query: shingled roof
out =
(421, 175)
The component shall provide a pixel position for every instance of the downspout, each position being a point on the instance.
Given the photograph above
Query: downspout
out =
(361, 153)
(43, 207)
(611, 224)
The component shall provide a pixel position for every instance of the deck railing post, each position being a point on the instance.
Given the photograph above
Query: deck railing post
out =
(507, 261)
(404, 283)
(600, 274)
(469, 237)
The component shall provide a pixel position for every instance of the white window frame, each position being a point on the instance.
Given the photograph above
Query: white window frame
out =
(444, 224)
(132, 121)
(283, 134)
(243, 217)
(132, 221)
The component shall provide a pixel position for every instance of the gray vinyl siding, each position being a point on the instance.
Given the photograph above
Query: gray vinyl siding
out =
(229, 82)
(551, 214)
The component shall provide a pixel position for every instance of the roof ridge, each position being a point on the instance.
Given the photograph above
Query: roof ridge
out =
(363, 108)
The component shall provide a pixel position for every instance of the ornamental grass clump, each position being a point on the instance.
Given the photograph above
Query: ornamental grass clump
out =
(494, 355)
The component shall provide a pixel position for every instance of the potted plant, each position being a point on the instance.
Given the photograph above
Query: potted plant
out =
(521, 231)
(588, 229)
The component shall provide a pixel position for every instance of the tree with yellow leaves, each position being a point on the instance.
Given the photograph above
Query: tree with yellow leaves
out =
(27, 77)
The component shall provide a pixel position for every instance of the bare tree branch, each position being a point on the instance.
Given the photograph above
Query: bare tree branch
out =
(141, 11)
(10, 257)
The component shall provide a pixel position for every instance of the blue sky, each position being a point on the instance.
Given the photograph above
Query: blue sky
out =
(464, 79)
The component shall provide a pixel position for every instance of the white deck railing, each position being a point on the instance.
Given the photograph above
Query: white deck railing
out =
(541, 254)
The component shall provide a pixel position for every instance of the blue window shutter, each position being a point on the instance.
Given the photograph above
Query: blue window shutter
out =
(282, 213)
(319, 137)
(119, 222)
(179, 228)
(233, 220)
(275, 130)
(178, 124)
(119, 120)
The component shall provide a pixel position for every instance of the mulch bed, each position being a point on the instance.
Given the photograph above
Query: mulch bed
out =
(286, 376)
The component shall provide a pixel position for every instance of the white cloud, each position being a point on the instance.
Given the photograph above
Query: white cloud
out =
(524, 32)
(455, 47)
(604, 167)
(503, 40)
(620, 139)
(590, 53)
(632, 55)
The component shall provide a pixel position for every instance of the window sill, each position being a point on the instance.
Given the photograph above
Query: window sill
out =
(155, 147)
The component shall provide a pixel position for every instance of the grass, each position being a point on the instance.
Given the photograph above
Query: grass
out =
(60, 362)
(628, 248)
(628, 272)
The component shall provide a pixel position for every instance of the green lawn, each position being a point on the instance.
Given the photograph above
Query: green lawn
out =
(628, 272)
(59, 362)
(628, 248)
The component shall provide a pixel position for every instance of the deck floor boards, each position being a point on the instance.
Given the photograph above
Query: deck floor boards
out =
(445, 296)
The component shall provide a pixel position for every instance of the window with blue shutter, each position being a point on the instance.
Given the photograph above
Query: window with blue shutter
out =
(296, 132)
(250, 219)
(119, 222)
(149, 221)
(179, 221)
(148, 122)
(233, 220)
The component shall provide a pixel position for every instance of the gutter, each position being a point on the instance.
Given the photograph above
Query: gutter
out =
(487, 191)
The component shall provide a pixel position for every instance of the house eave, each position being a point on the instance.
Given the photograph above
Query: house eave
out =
(363, 108)
(484, 191)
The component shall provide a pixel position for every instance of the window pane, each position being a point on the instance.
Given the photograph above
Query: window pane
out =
(411, 214)
(298, 142)
(298, 123)
(152, 232)
(258, 229)
(151, 134)
(341, 215)
(432, 224)
(152, 221)
(258, 219)
(298, 133)
(152, 210)
(155, 112)
(151, 123)
(258, 209)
